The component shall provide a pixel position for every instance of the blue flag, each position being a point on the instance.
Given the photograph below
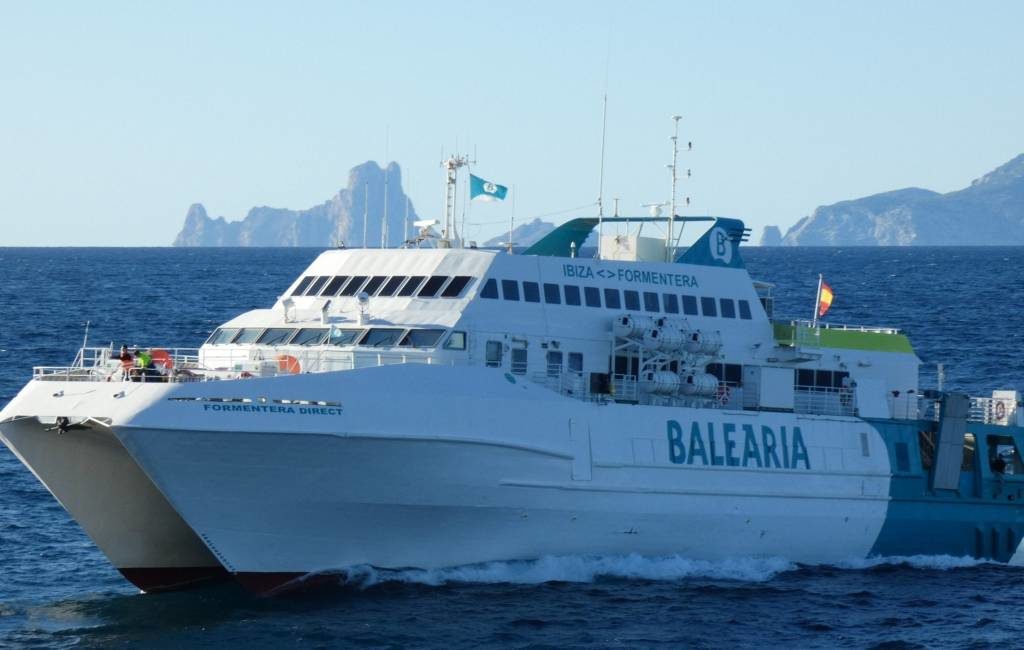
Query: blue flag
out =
(485, 190)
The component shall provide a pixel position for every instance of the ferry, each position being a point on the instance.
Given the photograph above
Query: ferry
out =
(439, 405)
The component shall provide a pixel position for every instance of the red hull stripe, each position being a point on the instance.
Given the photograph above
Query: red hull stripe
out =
(172, 578)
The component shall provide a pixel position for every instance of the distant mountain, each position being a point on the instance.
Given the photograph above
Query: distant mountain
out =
(319, 225)
(525, 235)
(988, 212)
(771, 236)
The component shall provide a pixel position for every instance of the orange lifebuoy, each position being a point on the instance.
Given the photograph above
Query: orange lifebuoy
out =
(1000, 410)
(161, 358)
(288, 363)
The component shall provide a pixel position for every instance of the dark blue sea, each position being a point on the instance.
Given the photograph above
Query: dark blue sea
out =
(961, 306)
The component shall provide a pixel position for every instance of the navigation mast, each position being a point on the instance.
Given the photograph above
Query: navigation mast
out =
(672, 202)
(451, 167)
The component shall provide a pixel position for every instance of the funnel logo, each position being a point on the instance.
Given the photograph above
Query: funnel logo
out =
(721, 247)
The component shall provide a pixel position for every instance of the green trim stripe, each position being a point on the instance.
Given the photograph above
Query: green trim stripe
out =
(786, 334)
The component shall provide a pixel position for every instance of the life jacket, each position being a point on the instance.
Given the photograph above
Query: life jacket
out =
(144, 360)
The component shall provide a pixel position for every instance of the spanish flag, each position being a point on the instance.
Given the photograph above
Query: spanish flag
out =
(824, 298)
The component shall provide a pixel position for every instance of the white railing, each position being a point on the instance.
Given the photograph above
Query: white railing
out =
(806, 324)
(824, 401)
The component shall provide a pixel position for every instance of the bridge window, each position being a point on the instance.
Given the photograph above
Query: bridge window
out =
(303, 283)
(510, 290)
(410, 287)
(247, 335)
(456, 341)
(531, 292)
(671, 303)
(728, 307)
(455, 287)
(707, 306)
(576, 361)
(651, 301)
(490, 289)
(391, 286)
(572, 295)
(381, 337)
(518, 363)
(493, 354)
(340, 336)
(690, 305)
(332, 287)
(552, 295)
(353, 286)
(422, 338)
(632, 300)
(222, 336)
(593, 296)
(612, 299)
(432, 286)
(374, 284)
(275, 336)
(317, 285)
(310, 336)
(744, 309)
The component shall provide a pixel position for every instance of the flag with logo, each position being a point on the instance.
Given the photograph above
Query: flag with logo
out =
(483, 190)
(824, 298)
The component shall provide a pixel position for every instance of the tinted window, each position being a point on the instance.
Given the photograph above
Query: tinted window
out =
(632, 300)
(275, 336)
(728, 307)
(510, 289)
(332, 287)
(531, 292)
(690, 305)
(343, 337)
(391, 286)
(612, 299)
(744, 310)
(576, 361)
(432, 286)
(455, 287)
(804, 377)
(490, 289)
(422, 338)
(303, 283)
(374, 284)
(223, 335)
(493, 353)
(381, 337)
(651, 301)
(572, 294)
(551, 294)
(671, 303)
(457, 341)
(412, 285)
(707, 306)
(248, 335)
(353, 286)
(593, 296)
(310, 336)
(317, 285)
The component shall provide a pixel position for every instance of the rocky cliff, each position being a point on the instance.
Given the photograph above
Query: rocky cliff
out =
(319, 225)
(771, 236)
(990, 211)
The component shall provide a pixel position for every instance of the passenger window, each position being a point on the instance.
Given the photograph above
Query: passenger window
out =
(518, 364)
(554, 363)
(671, 303)
(332, 287)
(432, 286)
(381, 337)
(310, 336)
(510, 290)
(410, 287)
(391, 286)
(340, 336)
(456, 341)
(490, 289)
(728, 307)
(247, 335)
(493, 355)
(422, 338)
(651, 301)
(303, 283)
(531, 292)
(223, 335)
(690, 305)
(593, 296)
(275, 336)
(353, 286)
(744, 309)
(552, 295)
(612, 299)
(707, 306)
(317, 285)
(455, 287)
(576, 361)
(374, 284)
(572, 295)
(632, 300)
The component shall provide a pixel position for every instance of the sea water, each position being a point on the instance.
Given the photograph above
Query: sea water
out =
(960, 306)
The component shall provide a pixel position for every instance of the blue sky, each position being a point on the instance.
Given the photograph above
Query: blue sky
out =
(114, 117)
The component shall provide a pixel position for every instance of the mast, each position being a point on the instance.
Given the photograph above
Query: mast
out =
(672, 201)
(600, 185)
(366, 209)
(451, 167)
(817, 301)
(384, 226)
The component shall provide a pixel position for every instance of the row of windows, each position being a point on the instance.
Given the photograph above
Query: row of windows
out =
(420, 286)
(651, 301)
(376, 337)
(822, 379)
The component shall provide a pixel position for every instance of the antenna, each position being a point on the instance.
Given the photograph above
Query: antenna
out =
(672, 203)
(451, 166)
(387, 167)
(600, 186)
(512, 220)
(405, 233)
(366, 209)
